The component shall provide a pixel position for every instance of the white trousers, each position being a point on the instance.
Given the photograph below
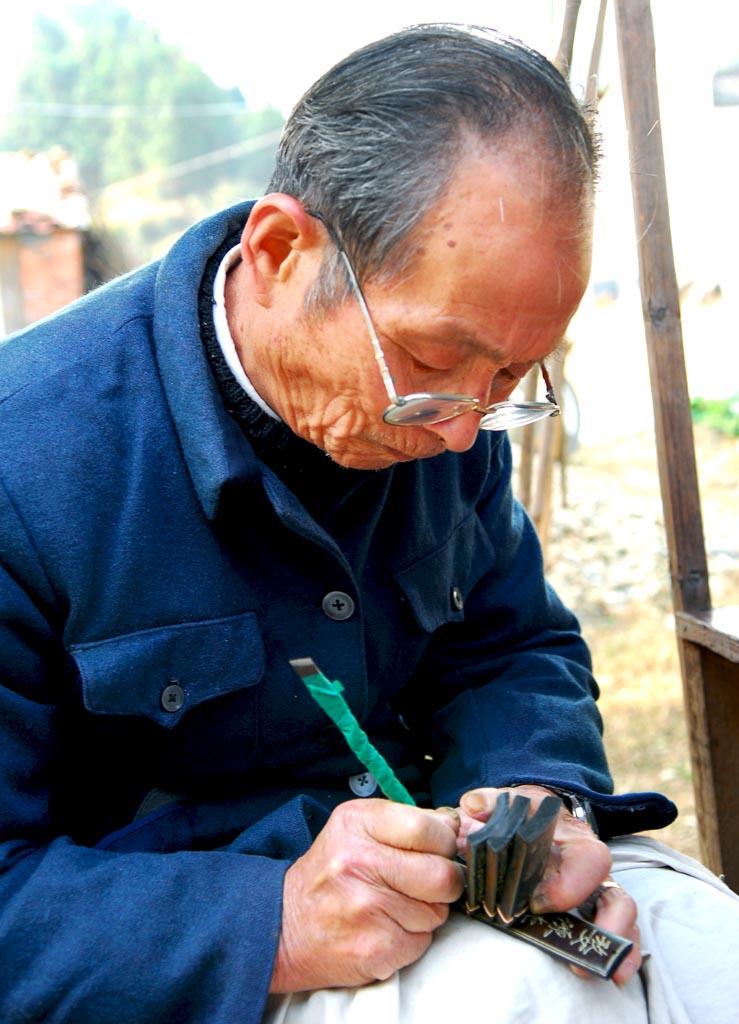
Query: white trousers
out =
(689, 922)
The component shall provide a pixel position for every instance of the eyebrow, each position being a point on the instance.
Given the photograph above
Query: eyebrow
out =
(475, 345)
(472, 343)
(462, 339)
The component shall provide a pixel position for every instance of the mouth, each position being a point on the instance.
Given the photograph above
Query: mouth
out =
(421, 451)
(370, 450)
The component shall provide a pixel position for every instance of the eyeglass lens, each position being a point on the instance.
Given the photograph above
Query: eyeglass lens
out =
(426, 408)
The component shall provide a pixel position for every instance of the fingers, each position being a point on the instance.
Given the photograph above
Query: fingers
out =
(424, 877)
(475, 807)
(612, 908)
(415, 916)
(403, 827)
(335, 935)
(616, 911)
(479, 803)
(578, 867)
(367, 896)
(429, 877)
(406, 849)
(579, 861)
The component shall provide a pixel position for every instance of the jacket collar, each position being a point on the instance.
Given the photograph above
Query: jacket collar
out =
(215, 449)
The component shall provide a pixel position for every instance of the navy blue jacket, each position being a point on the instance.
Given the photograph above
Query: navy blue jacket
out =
(161, 765)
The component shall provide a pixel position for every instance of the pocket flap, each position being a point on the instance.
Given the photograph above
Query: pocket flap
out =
(438, 585)
(161, 673)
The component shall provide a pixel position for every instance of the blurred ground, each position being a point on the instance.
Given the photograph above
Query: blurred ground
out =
(607, 558)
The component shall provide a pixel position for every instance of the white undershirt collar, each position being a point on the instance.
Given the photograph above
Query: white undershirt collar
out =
(223, 333)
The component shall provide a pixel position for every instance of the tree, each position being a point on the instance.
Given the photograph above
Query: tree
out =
(106, 88)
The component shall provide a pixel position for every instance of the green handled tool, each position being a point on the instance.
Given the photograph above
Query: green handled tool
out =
(329, 695)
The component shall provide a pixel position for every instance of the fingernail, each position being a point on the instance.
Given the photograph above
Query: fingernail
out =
(453, 814)
(473, 803)
(539, 903)
(626, 972)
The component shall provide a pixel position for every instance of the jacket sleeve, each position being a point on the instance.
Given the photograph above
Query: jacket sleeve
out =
(90, 935)
(510, 690)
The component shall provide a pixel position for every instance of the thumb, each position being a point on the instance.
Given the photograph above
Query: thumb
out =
(450, 815)
(479, 803)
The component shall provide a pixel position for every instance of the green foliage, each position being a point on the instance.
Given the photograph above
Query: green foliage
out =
(106, 88)
(721, 414)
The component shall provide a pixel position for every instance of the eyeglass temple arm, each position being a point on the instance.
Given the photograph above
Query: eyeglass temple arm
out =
(550, 396)
(387, 379)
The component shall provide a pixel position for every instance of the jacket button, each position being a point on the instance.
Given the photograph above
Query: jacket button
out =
(173, 697)
(364, 784)
(338, 605)
(457, 599)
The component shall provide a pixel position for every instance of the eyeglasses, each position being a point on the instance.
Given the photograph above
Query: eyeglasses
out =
(424, 407)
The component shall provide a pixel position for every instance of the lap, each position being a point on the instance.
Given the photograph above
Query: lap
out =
(469, 969)
(689, 922)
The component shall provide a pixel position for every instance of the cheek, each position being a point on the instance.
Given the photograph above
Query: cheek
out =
(332, 421)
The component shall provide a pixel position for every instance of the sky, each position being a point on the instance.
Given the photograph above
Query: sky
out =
(275, 51)
(280, 49)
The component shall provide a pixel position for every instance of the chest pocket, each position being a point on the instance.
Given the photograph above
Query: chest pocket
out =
(438, 585)
(162, 673)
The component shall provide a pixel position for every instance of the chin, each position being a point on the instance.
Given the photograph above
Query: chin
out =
(376, 455)
(370, 460)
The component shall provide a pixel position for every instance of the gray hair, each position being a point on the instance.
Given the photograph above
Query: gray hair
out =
(373, 144)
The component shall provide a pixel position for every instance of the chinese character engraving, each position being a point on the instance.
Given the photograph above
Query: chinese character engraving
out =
(558, 926)
(590, 941)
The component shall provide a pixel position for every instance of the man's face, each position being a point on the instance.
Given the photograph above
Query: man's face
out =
(499, 274)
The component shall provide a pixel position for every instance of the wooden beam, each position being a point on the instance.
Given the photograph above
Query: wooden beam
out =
(563, 59)
(706, 642)
(716, 630)
(712, 712)
(591, 87)
(661, 309)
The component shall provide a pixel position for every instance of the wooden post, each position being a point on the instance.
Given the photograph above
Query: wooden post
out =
(526, 468)
(591, 88)
(536, 495)
(551, 446)
(563, 60)
(710, 681)
(661, 308)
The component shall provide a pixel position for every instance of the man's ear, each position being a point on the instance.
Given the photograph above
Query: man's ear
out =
(279, 242)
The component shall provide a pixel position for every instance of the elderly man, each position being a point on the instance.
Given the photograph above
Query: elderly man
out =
(286, 440)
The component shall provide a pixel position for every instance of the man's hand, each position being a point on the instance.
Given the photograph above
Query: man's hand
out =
(578, 864)
(366, 898)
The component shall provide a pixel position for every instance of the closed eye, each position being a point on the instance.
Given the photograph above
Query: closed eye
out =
(514, 372)
(422, 367)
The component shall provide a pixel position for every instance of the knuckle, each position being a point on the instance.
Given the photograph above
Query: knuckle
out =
(452, 880)
(441, 878)
(357, 906)
(342, 862)
(605, 861)
(413, 949)
(440, 914)
(353, 814)
(375, 960)
(351, 867)
(381, 958)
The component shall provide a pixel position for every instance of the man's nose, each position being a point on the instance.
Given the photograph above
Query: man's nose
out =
(459, 433)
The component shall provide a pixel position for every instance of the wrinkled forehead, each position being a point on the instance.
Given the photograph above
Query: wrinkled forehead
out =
(505, 213)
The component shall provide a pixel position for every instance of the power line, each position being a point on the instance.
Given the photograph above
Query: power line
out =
(196, 163)
(113, 111)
